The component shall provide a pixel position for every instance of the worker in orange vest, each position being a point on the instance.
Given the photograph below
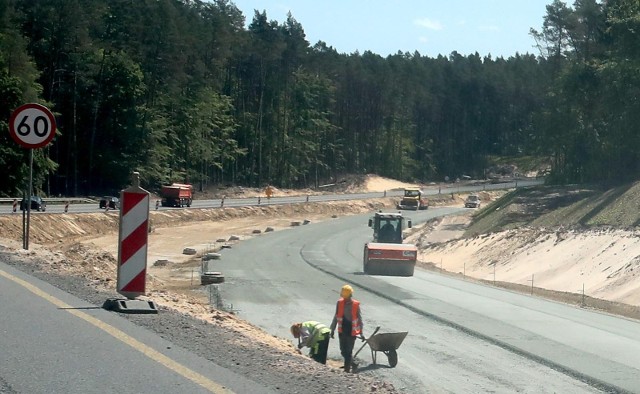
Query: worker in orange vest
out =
(348, 320)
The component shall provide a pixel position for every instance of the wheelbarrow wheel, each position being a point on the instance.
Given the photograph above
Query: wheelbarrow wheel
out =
(392, 356)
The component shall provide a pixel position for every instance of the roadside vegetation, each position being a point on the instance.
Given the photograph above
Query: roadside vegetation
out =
(186, 91)
(567, 207)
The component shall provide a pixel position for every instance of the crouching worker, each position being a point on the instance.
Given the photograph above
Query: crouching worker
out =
(315, 336)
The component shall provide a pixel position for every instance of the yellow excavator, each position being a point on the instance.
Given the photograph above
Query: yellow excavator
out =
(386, 254)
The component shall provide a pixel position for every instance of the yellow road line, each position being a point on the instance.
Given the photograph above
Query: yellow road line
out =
(123, 337)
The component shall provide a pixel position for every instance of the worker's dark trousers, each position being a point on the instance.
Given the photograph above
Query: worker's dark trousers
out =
(346, 349)
(319, 353)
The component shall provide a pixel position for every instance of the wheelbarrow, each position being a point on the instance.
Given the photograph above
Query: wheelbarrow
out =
(386, 343)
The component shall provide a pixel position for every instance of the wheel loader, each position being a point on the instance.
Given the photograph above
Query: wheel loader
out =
(386, 254)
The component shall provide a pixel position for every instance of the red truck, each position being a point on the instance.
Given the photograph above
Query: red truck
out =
(176, 195)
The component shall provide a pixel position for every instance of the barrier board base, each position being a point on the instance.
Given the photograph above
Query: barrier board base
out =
(124, 305)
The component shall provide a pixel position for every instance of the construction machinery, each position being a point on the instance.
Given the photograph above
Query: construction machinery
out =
(177, 195)
(386, 254)
(413, 199)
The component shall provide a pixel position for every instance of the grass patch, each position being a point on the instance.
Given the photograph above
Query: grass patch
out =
(561, 206)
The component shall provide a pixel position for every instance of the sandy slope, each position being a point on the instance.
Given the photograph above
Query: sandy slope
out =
(605, 263)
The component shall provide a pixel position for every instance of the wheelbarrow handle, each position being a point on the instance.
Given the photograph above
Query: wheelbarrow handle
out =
(374, 333)
(366, 342)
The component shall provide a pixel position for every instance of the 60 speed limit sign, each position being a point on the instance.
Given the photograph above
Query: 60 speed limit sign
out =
(32, 125)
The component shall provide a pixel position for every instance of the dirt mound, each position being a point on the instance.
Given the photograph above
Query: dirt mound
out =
(349, 183)
(47, 228)
(374, 183)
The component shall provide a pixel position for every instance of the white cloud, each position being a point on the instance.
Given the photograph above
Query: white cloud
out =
(423, 39)
(428, 24)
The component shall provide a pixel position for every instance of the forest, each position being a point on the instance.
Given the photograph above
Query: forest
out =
(188, 91)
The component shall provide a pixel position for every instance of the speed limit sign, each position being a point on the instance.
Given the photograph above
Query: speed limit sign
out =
(32, 125)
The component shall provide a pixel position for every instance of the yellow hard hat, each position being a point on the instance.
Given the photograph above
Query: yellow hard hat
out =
(346, 291)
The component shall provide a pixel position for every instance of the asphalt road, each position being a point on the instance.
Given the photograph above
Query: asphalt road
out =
(57, 205)
(53, 342)
(463, 337)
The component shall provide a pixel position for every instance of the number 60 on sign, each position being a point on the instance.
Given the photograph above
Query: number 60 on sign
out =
(32, 125)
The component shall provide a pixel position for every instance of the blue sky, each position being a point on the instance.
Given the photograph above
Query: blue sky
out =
(432, 27)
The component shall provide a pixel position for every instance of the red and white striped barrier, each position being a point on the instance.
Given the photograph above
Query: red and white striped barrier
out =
(15, 205)
(132, 240)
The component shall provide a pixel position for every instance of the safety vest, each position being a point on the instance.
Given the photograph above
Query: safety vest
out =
(355, 322)
(316, 332)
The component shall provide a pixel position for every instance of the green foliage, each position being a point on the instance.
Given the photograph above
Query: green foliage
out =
(591, 117)
(12, 156)
(18, 85)
(524, 164)
(182, 91)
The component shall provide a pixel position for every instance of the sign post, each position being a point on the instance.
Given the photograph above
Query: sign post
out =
(32, 126)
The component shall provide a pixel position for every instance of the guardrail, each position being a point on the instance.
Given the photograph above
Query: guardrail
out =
(53, 200)
(429, 190)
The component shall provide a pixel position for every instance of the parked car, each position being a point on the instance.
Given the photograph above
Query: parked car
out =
(111, 202)
(473, 201)
(37, 203)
